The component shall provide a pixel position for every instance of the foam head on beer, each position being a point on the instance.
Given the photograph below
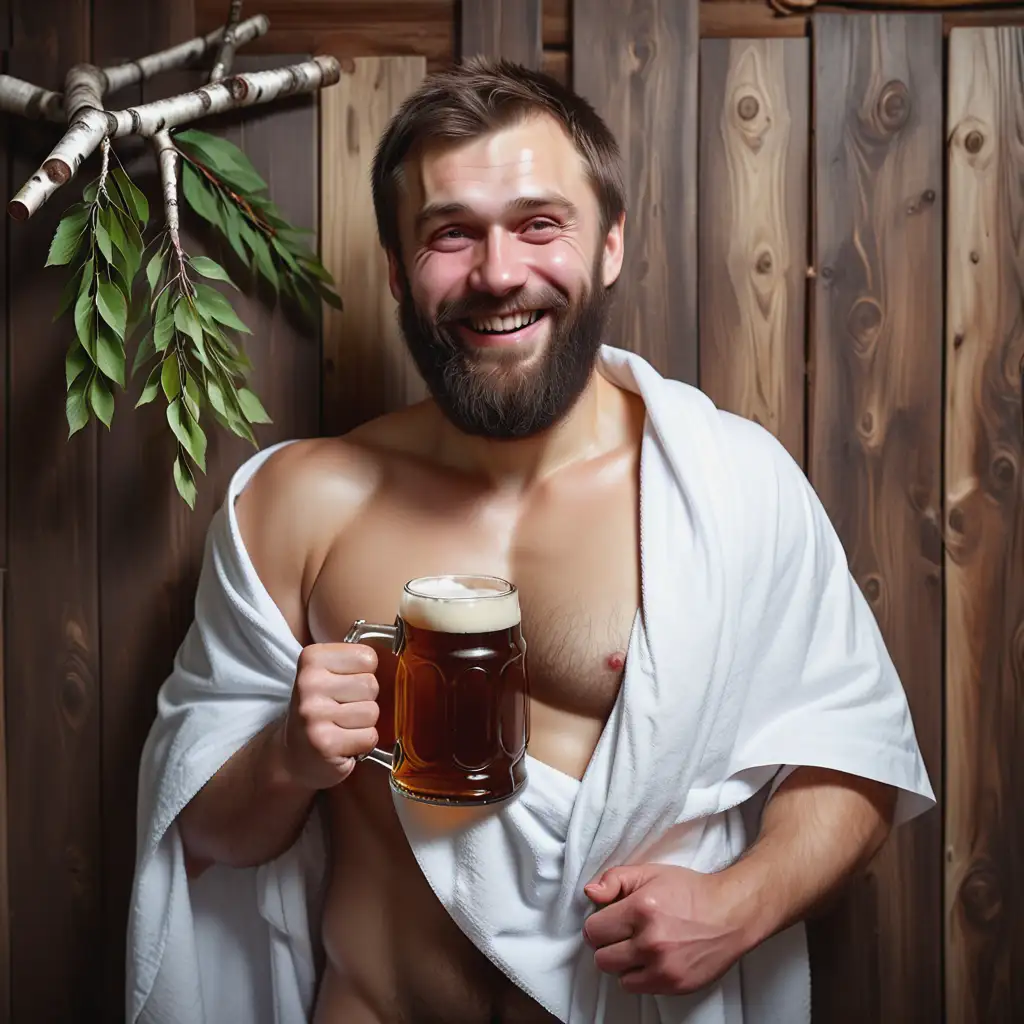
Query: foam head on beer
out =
(460, 604)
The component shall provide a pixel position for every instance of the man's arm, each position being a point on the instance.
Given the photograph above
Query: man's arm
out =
(669, 930)
(250, 812)
(818, 830)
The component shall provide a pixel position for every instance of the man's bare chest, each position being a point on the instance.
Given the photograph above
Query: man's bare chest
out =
(576, 566)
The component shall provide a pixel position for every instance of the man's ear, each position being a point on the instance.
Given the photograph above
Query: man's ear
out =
(614, 250)
(394, 276)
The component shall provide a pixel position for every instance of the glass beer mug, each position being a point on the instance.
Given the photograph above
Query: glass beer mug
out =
(461, 690)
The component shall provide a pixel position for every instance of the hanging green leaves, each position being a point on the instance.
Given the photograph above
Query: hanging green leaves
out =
(223, 188)
(180, 328)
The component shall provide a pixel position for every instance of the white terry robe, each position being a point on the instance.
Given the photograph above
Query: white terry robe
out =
(753, 652)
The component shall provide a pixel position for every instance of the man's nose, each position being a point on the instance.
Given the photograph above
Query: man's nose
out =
(501, 268)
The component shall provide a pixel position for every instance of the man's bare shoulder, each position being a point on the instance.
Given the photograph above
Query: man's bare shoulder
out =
(307, 493)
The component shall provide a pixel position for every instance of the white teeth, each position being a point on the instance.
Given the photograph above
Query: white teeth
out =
(504, 324)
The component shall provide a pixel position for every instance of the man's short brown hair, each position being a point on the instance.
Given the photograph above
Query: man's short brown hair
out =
(482, 96)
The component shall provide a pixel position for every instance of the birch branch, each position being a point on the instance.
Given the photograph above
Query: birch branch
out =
(86, 133)
(167, 159)
(229, 42)
(28, 100)
(184, 54)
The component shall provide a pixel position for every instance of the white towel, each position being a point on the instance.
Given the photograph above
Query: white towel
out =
(745, 661)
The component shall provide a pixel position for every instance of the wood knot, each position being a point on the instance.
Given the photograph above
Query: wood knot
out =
(237, 86)
(958, 340)
(981, 896)
(1004, 471)
(348, 65)
(826, 272)
(641, 50)
(864, 322)
(894, 105)
(957, 519)
(975, 257)
(764, 263)
(748, 107)
(867, 423)
(974, 141)
(873, 588)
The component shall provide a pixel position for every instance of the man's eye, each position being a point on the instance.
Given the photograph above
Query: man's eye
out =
(452, 233)
(541, 225)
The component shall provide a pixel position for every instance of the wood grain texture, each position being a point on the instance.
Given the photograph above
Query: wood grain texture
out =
(753, 230)
(367, 369)
(874, 456)
(349, 28)
(150, 543)
(52, 649)
(502, 28)
(636, 61)
(5, 900)
(985, 529)
(557, 64)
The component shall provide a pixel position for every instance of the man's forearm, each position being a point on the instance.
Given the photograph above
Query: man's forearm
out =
(250, 812)
(818, 830)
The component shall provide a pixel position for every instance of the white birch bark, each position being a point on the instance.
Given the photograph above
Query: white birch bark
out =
(184, 54)
(167, 159)
(222, 65)
(87, 132)
(28, 100)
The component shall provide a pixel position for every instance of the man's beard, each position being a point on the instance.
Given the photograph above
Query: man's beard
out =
(496, 396)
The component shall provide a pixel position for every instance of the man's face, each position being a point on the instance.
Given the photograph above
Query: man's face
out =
(503, 284)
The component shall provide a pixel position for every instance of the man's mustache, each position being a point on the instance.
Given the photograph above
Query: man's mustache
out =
(481, 305)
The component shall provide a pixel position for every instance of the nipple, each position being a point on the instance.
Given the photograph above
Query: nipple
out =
(616, 661)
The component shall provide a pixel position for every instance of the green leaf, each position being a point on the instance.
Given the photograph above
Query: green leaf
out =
(199, 197)
(215, 306)
(317, 269)
(163, 332)
(330, 297)
(162, 305)
(75, 362)
(85, 310)
(112, 306)
(232, 220)
(152, 388)
(252, 407)
(211, 269)
(67, 238)
(89, 192)
(145, 350)
(261, 251)
(189, 434)
(68, 294)
(137, 202)
(110, 355)
(282, 250)
(184, 482)
(155, 270)
(170, 380)
(224, 158)
(103, 241)
(215, 394)
(133, 245)
(75, 407)
(101, 399)
(187, 322)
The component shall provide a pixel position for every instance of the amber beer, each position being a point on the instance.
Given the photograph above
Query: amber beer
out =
(461, 691)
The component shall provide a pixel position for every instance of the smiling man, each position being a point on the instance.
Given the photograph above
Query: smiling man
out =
(718, 738)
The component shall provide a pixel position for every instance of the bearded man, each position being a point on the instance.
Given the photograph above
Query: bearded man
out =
(718, 739)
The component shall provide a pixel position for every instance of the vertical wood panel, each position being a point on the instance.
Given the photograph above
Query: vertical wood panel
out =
(367, 368)
(151, 544)
(985, 529)
(753, 230)
(502, 28)
(5, 901)
(874, 455)
(636, 61)
(52, 644)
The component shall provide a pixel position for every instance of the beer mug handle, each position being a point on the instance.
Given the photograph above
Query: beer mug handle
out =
(362, 630)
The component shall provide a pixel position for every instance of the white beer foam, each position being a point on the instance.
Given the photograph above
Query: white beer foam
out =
(460, 604)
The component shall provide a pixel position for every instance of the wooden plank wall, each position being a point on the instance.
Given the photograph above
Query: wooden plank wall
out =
(636, 62)
(367, 369)
(754, 148)
(985, 528)
(875, 451)
(52, 629)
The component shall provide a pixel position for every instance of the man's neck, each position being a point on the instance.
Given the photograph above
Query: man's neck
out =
(600, 421)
